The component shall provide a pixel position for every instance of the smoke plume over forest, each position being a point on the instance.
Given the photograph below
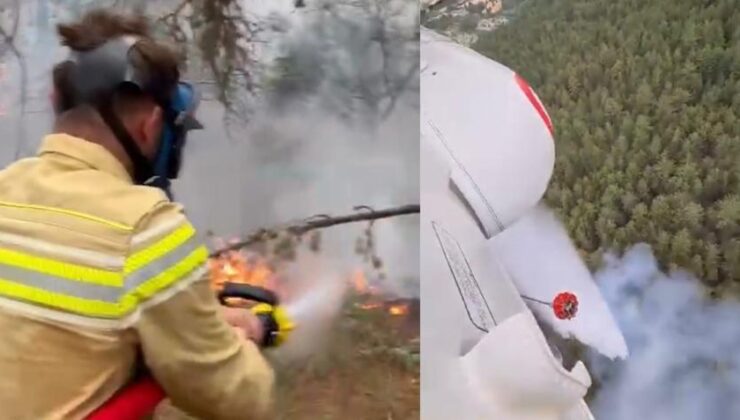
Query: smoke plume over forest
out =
(683, 362)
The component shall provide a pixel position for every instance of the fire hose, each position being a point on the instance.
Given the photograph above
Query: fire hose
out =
(141, 397)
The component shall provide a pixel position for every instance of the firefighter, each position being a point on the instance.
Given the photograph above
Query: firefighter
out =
(100, 270)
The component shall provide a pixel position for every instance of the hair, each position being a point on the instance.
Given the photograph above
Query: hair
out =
(156, 60)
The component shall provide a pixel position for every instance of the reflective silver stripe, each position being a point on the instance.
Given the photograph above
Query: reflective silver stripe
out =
(59, 284)
(160, 265)
(101, 324)
(97, 292)
(101, 260)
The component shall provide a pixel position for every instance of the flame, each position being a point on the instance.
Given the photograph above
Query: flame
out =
(237, 267)
(372, 298)
(240, 267)
(361, 285)
(360, 282)
(398, 310)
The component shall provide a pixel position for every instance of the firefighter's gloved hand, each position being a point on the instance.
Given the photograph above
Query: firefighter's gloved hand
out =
(247, 324)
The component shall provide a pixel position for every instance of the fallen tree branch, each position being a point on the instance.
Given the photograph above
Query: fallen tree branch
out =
(314, 223)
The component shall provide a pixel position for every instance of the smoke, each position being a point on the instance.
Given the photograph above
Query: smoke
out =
(354, 59)
(299, 156)
(684, 362)
(314, 293)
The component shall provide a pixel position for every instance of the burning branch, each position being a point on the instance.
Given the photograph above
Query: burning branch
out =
(319, 222)
(231, 264)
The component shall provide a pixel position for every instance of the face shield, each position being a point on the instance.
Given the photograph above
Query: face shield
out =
(179, 120)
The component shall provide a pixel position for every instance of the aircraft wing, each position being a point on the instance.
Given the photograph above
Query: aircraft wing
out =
(542, 260)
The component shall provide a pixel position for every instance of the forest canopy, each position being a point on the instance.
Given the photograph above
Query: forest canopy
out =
(645, 98)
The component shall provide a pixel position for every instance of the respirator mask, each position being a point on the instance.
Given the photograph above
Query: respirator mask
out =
(97, 75)
(179, 120)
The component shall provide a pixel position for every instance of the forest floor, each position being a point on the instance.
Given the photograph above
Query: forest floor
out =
(368, 369)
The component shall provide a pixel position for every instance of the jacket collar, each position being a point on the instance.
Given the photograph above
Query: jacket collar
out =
(86, 153)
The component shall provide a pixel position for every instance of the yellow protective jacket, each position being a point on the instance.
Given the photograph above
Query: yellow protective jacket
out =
(94, 269)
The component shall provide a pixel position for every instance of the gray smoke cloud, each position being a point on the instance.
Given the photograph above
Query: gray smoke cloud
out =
(684, 361)
(299, 156)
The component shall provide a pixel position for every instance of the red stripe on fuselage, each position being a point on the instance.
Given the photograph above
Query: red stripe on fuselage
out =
(529, 93)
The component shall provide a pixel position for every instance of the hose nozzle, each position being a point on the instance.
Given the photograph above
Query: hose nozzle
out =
(276, 321)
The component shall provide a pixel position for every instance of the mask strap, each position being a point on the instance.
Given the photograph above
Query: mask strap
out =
(161, 161)
(142, 167)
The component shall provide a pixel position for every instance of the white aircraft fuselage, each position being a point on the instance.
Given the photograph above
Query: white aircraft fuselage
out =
(487, 155)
